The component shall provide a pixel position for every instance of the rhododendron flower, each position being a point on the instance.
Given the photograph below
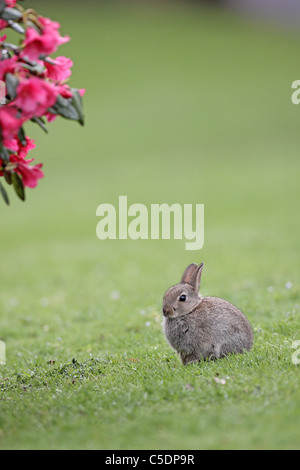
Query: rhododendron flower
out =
(8, 66)
(81, 91)
(43, 44)
(11, 144)
(50, 117)
(35, 96)
(18, 164)
(32, 87)
(30, 174)
(10, 124)
(11, 3)
(65, 91)
(59, 70)
(24, 149)
(3, 24)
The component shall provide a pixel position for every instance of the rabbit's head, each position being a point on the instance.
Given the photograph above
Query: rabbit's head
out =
(184, 297)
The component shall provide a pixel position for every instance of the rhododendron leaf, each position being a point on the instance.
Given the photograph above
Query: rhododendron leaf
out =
(10, 46)
(11, 14)
(2, 5)
(4, 194)
(40, 122)
(34, 67)
(77, 103)
(16, 27)
(22, 136)
(4, 155)
(18, 186)
(50, 61)
(7, 177)
(11, 85)
(65, 108)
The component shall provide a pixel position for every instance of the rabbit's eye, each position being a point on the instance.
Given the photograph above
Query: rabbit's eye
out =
(182, 298)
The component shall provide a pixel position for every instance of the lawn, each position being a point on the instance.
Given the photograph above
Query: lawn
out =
(182, 105)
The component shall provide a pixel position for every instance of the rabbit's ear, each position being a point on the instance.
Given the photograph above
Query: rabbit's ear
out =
(196, 277)
(188, 273)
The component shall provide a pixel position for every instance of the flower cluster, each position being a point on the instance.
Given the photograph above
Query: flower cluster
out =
(33, 87)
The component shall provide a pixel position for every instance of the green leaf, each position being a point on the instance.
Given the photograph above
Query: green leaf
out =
(77, 103)
(22, 136)
(4, 194)
(40, 123)
(65, 108)
(34, 67)
(11, 14)
(4, 155)
(2, 5)
(16, 27)
(11, 85)
(8, 177)
(10, 46)
(18, 186)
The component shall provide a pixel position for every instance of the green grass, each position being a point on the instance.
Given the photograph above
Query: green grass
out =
(182, 105)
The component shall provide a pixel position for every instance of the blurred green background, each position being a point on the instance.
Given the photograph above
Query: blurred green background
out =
(183, 104)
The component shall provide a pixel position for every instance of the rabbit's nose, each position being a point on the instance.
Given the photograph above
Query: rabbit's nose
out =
(168, 311)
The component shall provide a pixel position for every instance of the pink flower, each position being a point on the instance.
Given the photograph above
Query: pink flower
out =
(30, 84)
(11, 144)
(60, 69)
(35, 96)
(65, 91)
(11, 3)
(8, 66)
(10, 124)
(24, 149)
(44, 44)
(3, 24)
(30, 174)
(50, 117)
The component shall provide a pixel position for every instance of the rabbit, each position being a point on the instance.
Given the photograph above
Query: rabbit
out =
(202, 328)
